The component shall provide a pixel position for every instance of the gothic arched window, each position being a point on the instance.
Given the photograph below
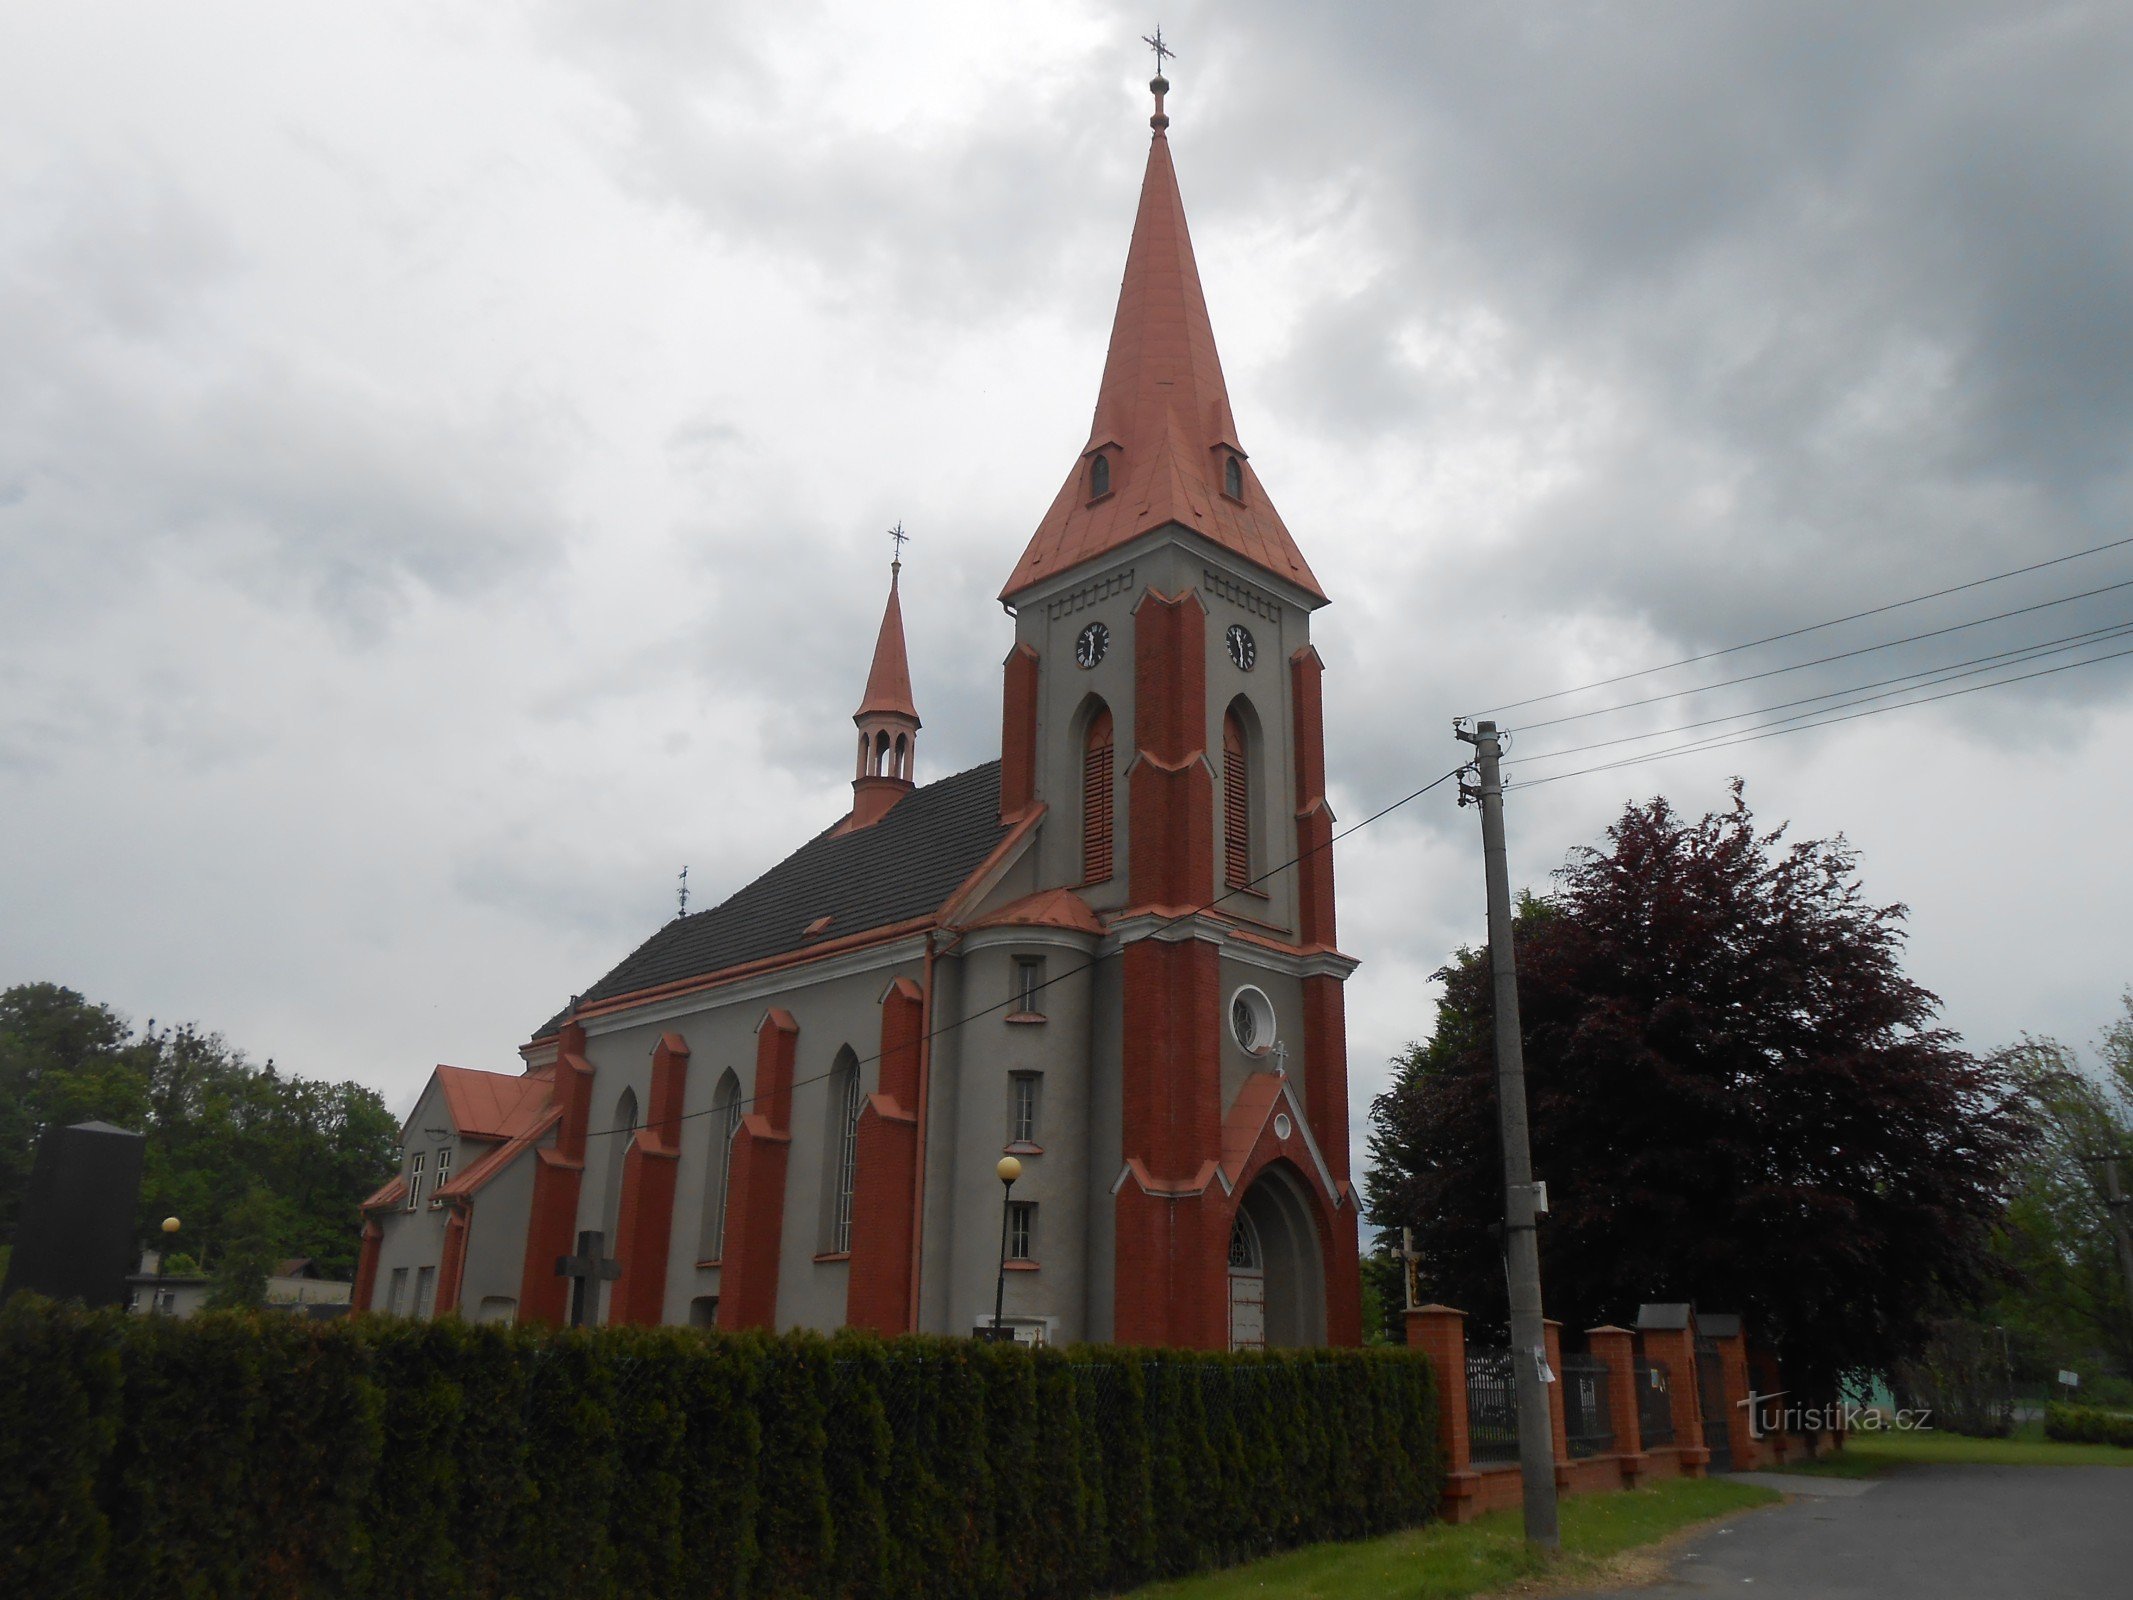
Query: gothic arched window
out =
(1096, 787)
(842, 1149)
(1236, 804)
(1099, 477)
(718, 1172)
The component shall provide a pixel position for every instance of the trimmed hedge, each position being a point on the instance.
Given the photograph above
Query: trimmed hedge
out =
(241, 1455)
(2087, 1425)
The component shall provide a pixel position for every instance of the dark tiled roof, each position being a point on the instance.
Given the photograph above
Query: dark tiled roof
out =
(904, 866)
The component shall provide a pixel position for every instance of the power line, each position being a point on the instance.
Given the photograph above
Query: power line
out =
(1750, 737)
(1947, 673)
(1017, 998)
(1821, 661)
(1814, 627)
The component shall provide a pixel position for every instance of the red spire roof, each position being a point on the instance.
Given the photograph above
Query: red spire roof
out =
(889, 682)
(1162, 416)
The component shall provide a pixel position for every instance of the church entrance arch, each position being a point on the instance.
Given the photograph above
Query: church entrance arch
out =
(1277, 1276)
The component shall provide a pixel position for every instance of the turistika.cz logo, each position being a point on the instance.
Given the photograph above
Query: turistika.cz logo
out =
(1841, 1415)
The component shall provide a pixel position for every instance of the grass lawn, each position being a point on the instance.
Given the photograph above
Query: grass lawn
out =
(1867, 1455)
(1442, 1562)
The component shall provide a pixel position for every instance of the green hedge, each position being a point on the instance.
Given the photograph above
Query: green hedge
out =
(2087, 1425)
(237, 1455)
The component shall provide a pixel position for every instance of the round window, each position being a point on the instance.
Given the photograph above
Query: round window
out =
(1251, 1019)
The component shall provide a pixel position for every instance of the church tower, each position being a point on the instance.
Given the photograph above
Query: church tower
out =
(1162, 708)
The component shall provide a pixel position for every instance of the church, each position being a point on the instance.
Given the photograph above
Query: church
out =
(1109, 954)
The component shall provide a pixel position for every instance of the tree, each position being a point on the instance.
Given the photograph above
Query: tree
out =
(1736, 1098)
(218, 1128)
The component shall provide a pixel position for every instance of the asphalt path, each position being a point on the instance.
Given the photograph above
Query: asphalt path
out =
(1920, 1533)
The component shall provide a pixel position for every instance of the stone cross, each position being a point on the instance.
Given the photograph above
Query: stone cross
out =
(585, 1269)
(1409, 1255)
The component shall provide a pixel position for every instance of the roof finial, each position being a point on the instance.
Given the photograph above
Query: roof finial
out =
(896, 562)
(1158, 85)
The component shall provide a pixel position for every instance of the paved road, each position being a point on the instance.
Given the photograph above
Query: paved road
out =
(1922, 1533)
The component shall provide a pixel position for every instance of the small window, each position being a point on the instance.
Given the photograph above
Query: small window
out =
(425, 1293)
(1021, 1230)
(414, 1181)
(444, 1173)
(703, 1311)
(1233, 478)
(396, 1292)
(500, 1309)
(1028, 998)
(1099, 477)
(1251, 1019)
(1022, 1108)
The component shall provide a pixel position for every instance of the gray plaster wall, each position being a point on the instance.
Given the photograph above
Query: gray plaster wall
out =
(496, 1242)
(415, 1239)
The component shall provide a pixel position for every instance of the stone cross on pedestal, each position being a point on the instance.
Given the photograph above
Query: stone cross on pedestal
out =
(1409, 1255)
(585, 1269)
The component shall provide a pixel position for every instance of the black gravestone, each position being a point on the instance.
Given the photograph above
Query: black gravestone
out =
(74, 1236)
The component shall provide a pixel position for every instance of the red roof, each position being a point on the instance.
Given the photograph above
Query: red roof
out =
(1162, 417)
(889, 683)
(1048, 908)
(493, 1105)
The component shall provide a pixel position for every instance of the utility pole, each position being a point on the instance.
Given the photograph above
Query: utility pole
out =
(1522, 1197)
(2115, 1204)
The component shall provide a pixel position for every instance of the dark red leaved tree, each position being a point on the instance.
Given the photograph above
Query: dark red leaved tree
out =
(1737, 1098)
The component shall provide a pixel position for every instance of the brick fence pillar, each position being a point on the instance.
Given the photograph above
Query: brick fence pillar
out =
(1617, 1348)
(1558, 1424)
(1749, 1452)
(1675, 1349)
(1439, 1332)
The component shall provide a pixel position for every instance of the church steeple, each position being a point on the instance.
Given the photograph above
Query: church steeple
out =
(887, 719)
(1163, 447)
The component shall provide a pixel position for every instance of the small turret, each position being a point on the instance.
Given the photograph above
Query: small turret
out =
(887, 720)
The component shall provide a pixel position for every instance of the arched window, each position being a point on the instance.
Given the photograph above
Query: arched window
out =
(881, 752)
(618, 1142)
(841, 1151)
(1099, 477)
(1233, 478)
(902, 768)
(1236, 804)
(1096, 787)
(718, 1172)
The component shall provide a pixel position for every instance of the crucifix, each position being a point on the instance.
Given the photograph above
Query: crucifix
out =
(585, 1269)
(1409, 1256)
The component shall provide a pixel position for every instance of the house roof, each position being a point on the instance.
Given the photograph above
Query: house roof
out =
(889, 679)
(904, 867)
(1162, 418)
(491, 1105)
(1047, 908)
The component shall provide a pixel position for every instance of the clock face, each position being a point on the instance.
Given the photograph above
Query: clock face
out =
(1242, 649)
(1090, 647)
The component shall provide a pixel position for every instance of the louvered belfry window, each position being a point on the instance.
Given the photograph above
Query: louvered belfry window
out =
(1236, 806)
(1096, 786)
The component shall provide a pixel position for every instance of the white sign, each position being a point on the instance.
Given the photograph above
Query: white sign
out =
(2071, 1379)
(1540, 1360)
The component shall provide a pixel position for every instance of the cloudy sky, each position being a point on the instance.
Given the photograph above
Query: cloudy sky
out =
(444, 450)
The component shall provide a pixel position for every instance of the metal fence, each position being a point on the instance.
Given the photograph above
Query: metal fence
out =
(1655, 1402)
(1586, 1421)
(1491, 1408)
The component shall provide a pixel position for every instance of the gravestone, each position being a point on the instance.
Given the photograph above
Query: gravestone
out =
(74, 1236)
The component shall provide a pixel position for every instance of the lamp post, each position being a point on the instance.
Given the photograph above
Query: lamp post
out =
(1008, 1170)
(170, 1230)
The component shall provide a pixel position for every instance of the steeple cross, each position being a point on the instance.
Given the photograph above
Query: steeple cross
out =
(902, 538)
(1162, 51)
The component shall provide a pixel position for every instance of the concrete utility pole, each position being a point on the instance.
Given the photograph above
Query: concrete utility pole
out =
(2115, 1204)
(1522, 1197)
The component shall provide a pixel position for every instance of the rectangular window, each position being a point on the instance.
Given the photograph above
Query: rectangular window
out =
(414, 1181)
(444, 1173)
(1028, 997)
(425, 1293)
(1021, 1230)
(1022, 1108)
(396, 1292)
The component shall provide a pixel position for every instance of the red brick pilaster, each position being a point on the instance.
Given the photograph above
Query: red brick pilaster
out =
(1748, 1451)
(1675, 1348)
(558, 1171)
(1172, 1223)
(366, 1283)
(878, 1284)
(1439, 1332)
(452, 1269)
(1558, 1424)
(1170, 796)
(1325, 1095)
(644, 1217)
(1618, 1348)
(1018, 734)
(755, 1194)
(1314, 822)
